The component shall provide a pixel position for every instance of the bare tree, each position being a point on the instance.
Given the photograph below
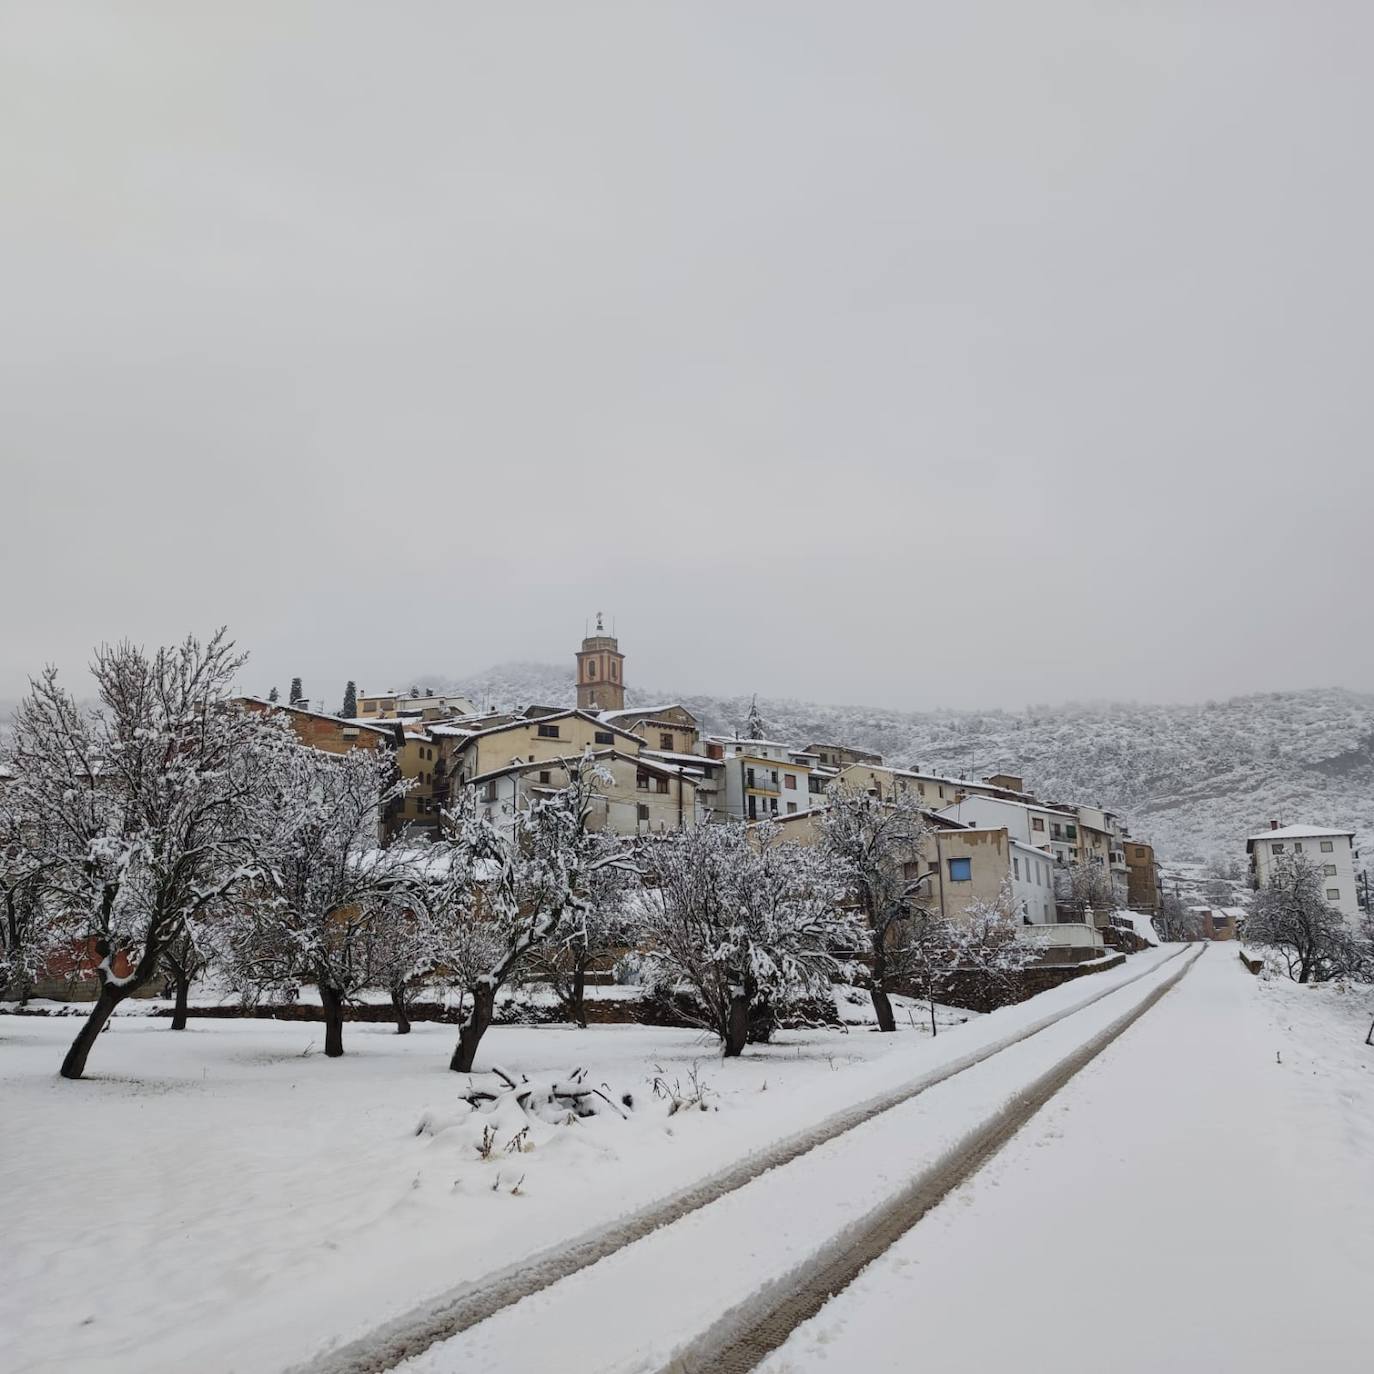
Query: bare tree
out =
(1081, 889)
(751, 925)
(327, 883)
(25, 925)
(607, 924)
(143, 806)
(185, 960)
(876, 846)
(1175, 921)
(534, 879)
(1290, 914)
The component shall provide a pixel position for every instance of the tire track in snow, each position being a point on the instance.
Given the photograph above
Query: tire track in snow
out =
(452, 1313)
(747, 1334)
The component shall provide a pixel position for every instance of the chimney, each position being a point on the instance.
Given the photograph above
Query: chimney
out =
(1273, 825)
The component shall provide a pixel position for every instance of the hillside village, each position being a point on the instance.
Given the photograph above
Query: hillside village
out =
(1069, 864)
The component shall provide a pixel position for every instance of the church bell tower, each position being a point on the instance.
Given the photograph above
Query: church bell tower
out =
(600, 672)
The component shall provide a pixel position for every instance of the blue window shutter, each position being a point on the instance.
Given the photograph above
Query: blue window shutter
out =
(961, 870)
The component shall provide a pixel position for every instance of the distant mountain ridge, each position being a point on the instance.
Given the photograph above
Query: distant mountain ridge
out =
(1194, 780)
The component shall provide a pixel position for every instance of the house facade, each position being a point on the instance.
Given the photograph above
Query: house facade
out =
(1144, 891)
(1333, 851)
(636, 796)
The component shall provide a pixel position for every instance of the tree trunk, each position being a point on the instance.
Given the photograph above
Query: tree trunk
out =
(882, 1004)
(882, 1007)
(579, 992)
(1369, 1039)
(474, 1028)
(398, 1005)
(737, 1026)
(74, 1065)
(331, 999)
(183, 994)
(932, 1016)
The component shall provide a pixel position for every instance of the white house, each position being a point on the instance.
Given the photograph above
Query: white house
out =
(1041, 827)
(764, 780)
(1333, 851)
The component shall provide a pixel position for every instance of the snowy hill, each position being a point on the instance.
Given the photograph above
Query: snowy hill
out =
(1193, 779)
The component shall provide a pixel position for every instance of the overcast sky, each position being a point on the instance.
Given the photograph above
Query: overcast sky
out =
(918, 354)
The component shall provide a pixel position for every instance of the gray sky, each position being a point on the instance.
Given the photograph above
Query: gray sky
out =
(910, 353)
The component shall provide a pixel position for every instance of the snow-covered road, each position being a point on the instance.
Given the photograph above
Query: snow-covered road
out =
(687, 1295)
(1200, 1197)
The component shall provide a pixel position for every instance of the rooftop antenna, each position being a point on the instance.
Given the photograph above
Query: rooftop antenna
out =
(599, 627)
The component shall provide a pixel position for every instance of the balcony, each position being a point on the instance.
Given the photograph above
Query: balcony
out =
(760, 780)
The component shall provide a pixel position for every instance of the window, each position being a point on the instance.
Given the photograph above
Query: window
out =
(1037, 822)
(961, 870)
(642, 780)
(1071, 832)
(752, 807)
(641, 812)
(1328, 847)
(1297, 846)
(603, 737)
(544, 775)
(1139, 853)
(790, 782)
(660, 784)
(1329, 870)
(1220, 922)
(1016, 867)
(489, 791)
(791, 808)
(665, 740)
(1277, 848)
(612, 670)
(1333, 894)
(911, 870)
(772, 806)
(942, 794)
(548, 732)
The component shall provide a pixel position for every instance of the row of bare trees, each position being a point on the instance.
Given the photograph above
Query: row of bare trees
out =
(173, 833)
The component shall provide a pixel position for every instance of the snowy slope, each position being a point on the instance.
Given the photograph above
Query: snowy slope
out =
(1193, 779)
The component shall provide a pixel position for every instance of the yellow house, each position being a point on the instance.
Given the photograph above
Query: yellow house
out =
(671, 729)
(638, 796)
(533, 738)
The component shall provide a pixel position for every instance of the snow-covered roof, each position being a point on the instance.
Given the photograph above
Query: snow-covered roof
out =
(689, 761)
(1297, 832)
(524, 723)
(611, 716)
(539, 765)
(1024, 806)
(383, 727)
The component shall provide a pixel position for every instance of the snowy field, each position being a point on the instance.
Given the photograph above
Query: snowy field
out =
(225, 1198)
(1200, 1197)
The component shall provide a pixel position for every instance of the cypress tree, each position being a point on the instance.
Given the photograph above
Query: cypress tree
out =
(297, 694)
(350, 701)
(273, 695)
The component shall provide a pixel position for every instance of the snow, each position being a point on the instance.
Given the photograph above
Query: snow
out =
(1140, 923)
(226, 1188)
(226, 1198)
(1296, 832)
(1197, 1198)
(620, 1315)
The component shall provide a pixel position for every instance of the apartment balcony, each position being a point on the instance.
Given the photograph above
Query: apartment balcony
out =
(756, 780)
